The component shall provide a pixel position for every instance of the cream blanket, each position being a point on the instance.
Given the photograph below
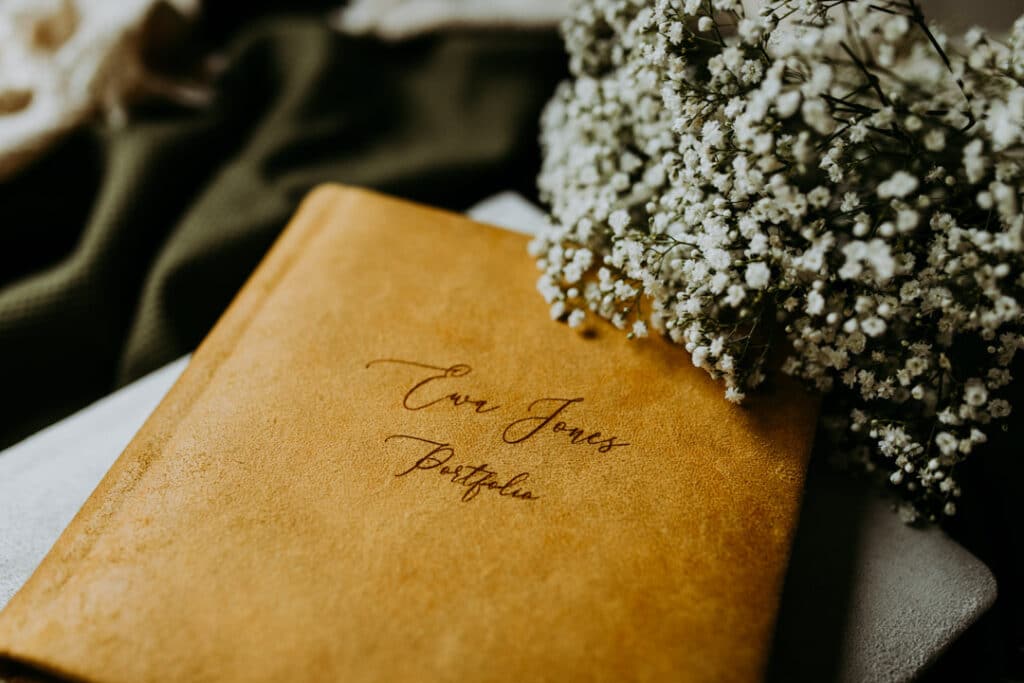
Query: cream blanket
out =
(63, 60)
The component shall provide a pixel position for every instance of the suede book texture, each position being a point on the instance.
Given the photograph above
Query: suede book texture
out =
(385, 463)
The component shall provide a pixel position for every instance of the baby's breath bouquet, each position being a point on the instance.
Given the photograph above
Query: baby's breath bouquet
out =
(835, 179)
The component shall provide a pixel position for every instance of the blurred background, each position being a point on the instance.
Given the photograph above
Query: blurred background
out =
(138, 195)
(151, 152)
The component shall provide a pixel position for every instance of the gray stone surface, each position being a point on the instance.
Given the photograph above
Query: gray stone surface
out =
(868, 598)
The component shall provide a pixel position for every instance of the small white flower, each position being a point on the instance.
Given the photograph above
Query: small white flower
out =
(873, 326)
(895, 27)
(734, 395)
(900, 184)
(934, 140)
(815, 303)
(974, 163)
(757, 275)
(817, 115)
(998, 408)
(618, 220)
(906, 220)
(735, 295)
(975, 393)
(787, 104)
(946, 442)
(819, 197)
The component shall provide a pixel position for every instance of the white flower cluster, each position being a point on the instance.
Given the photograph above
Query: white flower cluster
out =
(830, 178)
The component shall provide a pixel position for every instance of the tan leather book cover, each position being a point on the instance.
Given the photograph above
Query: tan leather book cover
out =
(386, 463)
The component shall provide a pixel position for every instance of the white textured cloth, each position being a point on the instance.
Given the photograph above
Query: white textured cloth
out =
(400, 19)
(62, 60)
(867, 598)
(46, 478)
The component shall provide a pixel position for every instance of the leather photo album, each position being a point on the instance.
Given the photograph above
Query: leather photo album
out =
(386, 463)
